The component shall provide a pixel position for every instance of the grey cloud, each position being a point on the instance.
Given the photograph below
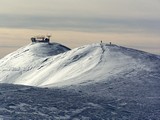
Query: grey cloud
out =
(89, 24)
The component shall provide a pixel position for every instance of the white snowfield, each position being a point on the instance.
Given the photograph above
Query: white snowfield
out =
(49, 65)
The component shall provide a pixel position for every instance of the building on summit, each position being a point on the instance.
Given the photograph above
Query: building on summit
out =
(45, 39)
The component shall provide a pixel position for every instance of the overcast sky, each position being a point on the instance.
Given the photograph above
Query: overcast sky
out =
(133, 23)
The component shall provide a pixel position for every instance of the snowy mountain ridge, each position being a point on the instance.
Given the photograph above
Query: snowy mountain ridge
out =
(95, 82)
(48, 65)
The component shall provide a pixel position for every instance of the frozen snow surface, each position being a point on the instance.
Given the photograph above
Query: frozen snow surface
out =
(92, 82)
(49, 65)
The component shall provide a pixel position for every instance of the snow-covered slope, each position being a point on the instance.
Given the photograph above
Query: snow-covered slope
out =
(27, 58)
(41, 65)
(100, 82)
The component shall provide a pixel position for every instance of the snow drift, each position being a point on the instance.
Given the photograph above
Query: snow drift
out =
(48, 65)
(98, 81)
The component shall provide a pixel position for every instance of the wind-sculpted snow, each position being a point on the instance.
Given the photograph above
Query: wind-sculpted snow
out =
(92, 82)
(41, 64)
(26, 59)
(32, 55)
(117, 100)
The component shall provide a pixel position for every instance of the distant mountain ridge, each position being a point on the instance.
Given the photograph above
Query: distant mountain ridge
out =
(49, 65)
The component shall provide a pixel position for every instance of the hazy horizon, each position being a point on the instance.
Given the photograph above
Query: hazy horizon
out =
(134, 24)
